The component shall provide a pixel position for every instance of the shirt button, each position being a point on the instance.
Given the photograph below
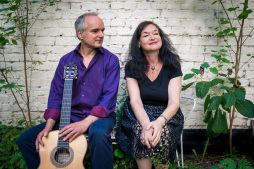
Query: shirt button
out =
(84, 83)
(82, 95)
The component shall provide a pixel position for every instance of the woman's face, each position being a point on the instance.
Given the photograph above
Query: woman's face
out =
(150, 39)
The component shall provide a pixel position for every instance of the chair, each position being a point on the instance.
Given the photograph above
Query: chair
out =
(181, 139)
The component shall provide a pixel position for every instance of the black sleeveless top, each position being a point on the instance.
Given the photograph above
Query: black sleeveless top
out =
(156, 92)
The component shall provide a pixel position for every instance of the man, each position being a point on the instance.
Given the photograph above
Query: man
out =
(94, 97)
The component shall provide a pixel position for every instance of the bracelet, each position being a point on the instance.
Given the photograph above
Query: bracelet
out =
(164, 119)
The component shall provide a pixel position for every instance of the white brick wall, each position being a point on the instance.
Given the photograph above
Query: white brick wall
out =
(188, 23)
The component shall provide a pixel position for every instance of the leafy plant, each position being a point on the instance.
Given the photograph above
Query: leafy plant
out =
(18, 20)
(224, 94)
(11, 157)
(229, 163)
(122, 160)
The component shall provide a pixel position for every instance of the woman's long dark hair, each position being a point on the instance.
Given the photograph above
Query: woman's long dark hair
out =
(138, 63)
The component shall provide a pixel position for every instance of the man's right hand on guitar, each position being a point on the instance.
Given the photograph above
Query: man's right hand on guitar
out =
(49, 126)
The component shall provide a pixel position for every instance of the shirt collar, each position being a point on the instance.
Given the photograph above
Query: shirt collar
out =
(101, 49)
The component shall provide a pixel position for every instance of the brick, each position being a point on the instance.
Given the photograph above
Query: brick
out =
(204, 41)
(130, 5)
(63, 6)
(119, 40)
(159, 5)
(124, 14)
(124, 31)
(117, 5)
(118, 22)
(149, 14)
(144, 5)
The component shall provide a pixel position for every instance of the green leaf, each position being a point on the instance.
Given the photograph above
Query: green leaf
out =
(3, 41)
(205, 65)
(231, 164)
(231, 34)
(223, 50)
(2, 81)
(5, 9)
(187, 86)
(245, 108)
(226, 31)
(14, 42)
(230, 99)
(14, 8)
(216, 56)
(188, 76)
(240, 93)
(214, 82)
(226, 109)
(232, 9)
(214, 70)
(219, 33)
(228, 89)
(34, 2)
(228, 46)
(202, 88)
(214, 2)
(224, 75)
(207, 101)
(208, 117)
(225, 60)
(224, 21)
(248, 54)
(219, 122)
(234, 29)
(241, 163)
(214, 103)
(197, 71)
(244, 14)
(220, 66)
(232, 80)
(213, 51)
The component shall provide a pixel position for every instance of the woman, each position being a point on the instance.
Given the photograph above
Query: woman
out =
(151, 120)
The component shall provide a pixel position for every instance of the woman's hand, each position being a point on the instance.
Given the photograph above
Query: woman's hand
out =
(146, 137)
(157, 126)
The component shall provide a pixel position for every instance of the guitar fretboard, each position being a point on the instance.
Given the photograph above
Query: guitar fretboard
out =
(65, 111)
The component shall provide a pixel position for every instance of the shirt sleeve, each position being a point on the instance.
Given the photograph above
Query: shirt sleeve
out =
(175, 72)
(107, 103)
(53, 110)
(128, 72)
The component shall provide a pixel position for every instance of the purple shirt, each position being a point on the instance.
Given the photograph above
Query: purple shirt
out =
(94, 91)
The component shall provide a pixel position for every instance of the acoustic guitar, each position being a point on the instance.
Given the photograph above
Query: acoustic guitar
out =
(57, 153)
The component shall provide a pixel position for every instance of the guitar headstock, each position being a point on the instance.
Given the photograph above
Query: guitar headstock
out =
(70, 71)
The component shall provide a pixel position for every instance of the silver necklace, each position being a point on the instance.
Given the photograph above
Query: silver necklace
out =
(153, 67)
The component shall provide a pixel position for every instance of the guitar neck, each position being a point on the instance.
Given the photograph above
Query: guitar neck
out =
(66, 108)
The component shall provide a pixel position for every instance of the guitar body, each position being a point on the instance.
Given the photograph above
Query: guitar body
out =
(53, 158)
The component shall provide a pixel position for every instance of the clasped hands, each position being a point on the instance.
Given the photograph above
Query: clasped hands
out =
(151, 133)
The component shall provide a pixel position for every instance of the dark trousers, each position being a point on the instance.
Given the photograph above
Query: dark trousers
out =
(99, 144)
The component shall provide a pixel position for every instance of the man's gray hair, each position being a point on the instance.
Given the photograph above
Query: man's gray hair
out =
(80, 22)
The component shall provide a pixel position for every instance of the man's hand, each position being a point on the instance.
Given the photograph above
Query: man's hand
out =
(73, 130)
(44, 133)
(76, 129)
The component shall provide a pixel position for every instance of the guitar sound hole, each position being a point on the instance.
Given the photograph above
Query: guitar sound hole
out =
(62, 156)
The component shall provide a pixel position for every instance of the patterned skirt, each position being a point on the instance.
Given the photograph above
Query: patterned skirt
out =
(129, 130)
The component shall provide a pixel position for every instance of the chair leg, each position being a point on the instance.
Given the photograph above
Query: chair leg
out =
(177, 157)
(182, 150)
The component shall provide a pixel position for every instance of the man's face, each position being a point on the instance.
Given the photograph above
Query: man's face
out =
(94, 35)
